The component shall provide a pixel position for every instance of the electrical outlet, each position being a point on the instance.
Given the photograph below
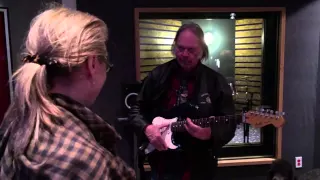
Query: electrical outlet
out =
(299, 162)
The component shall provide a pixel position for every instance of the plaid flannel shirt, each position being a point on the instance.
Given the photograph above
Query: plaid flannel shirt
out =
(79, 145)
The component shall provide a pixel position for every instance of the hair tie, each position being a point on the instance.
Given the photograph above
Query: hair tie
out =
(39, 60)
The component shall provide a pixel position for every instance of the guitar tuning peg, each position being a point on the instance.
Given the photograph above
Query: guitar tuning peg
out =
(257, 109)
(261, 110)
(271, 112)
(268, 112)
(282, 113)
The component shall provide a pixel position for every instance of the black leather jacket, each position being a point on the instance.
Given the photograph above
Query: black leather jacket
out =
(213, 96)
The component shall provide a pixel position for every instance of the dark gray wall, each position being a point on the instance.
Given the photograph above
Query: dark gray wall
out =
(317, 119)
(300, 77)
(301, 69)
(20, 14)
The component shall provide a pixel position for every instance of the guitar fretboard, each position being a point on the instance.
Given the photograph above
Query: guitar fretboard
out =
(205, 122)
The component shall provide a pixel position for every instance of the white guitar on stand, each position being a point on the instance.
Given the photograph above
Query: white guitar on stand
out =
(257, 119)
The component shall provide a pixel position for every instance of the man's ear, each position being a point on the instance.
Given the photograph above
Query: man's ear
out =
(200, 55)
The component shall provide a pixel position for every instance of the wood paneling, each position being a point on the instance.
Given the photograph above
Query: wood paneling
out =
(255, 52)
(243, 95)
(248, 65)
(157, 33)
(153, 47)
(248, 33)
(250, 83)
(248, 21)
(248, 46)
(165, 22)
(248, 40)
(158, 27)
(244, 77)
(248, 71)
(147, 68)
(248, 89)
(156, 41)
(156, 37)
(248, 59)
(246, 27)
(281, 50)
(151, 62)
(155, 54)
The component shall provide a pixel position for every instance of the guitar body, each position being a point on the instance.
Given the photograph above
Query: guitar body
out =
(166, 133)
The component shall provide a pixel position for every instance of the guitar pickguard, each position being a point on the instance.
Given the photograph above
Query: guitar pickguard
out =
(166, 133)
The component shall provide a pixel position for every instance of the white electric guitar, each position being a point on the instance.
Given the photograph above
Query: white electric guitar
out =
(257, 119)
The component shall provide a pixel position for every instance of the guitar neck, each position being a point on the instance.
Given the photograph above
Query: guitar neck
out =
(204, 122)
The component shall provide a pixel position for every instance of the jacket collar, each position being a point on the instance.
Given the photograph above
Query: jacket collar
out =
(195, 73)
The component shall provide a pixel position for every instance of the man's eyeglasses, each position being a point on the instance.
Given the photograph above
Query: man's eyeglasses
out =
(182, 49)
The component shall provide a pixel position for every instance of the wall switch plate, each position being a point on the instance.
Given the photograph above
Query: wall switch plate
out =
(299, 162)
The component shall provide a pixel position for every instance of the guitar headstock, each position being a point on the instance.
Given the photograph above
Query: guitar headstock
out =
(261, 118)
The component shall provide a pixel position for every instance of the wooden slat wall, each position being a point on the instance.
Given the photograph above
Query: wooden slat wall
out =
(156, 37)
(248, 59)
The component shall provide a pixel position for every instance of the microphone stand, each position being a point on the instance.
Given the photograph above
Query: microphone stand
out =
(246, 126)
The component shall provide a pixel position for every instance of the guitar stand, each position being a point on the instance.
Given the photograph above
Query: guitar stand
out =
(245, 128)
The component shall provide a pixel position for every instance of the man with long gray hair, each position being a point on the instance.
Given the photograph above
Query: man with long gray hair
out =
(184, 87)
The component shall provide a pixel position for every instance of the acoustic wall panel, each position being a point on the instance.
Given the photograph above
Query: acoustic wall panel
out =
(156, 38)
(248, 60)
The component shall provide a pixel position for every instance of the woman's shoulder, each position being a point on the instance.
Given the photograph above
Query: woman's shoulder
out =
(69, 155)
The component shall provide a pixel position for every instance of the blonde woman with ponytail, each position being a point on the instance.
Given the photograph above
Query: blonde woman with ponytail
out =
(48, 132)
